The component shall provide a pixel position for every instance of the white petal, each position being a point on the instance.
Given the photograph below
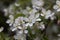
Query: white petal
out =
(58, 35)
(24, 26)
(6, 12)
(25, 31)
(14, 29)
(33, 20)
(38, 19)
(34, 10)
(42, 27)
(14, 25)
(19, 27)
(27, 24)
(52, 18)
(43, 10)
(31, 24)
(16, 4)
(11, 17)
(26, 19)
(42, 14)
(8, 21)
(21, 31)
(46, 17)
(37, 15)
(48, 12)
(58, 10)
(55, 7)
(10, 24)
(1, 29)
(58, 2)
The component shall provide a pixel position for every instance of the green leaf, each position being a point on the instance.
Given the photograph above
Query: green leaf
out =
(18, 15)
(24, 3)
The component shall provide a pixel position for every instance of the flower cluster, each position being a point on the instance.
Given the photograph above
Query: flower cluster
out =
(57, 6)
(21, 19)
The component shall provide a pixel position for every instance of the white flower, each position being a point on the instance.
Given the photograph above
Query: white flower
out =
(48, 14)
(19, 24)
(11, 9)
(1, 29)
(6, 12)
(16, 4)
(23, 29)
(41, 26)
(19, 20)
(10, 20)
(37, 4)
(57, 6)
(32, 19)
(58, 2)
(28, 11)
(15, 28)
(32, 11)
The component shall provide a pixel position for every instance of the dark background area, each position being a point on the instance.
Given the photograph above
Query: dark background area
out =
(5, 4)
